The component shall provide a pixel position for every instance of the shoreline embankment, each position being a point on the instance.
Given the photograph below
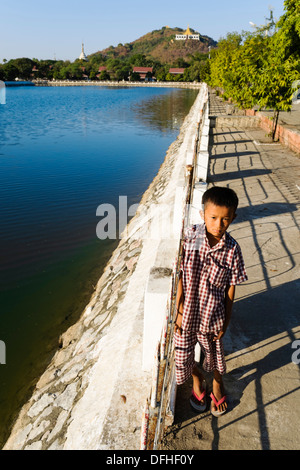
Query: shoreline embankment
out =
(92, 394)
(122, 83)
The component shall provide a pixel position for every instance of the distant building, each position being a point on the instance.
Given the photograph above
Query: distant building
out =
(101, 69)
(176, 71)
(142, 71)
(187, 35)
(84, 75)
(82, 55)
(34, 70)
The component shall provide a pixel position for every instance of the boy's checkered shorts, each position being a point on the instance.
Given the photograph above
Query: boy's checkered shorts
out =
(185, 354)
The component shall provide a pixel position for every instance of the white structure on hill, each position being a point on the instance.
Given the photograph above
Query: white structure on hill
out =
(187, 35)
(82, 55)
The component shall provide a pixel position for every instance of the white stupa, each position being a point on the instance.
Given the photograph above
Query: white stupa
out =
(82, 55)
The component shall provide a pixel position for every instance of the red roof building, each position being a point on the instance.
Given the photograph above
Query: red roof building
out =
(142, 71)
(176, 71)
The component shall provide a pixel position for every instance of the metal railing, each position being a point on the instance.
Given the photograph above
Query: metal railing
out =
(158, 412)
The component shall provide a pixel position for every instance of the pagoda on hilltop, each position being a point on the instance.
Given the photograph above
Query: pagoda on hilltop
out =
(82, 55)
(187, 35)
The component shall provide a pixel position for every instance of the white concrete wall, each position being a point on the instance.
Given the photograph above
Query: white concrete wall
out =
(159, 286)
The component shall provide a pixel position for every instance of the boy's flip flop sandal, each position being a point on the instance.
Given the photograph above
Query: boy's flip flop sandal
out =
(195, 401)
(217, 403)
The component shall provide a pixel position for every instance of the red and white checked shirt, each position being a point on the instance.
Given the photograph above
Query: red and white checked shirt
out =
(206, 272)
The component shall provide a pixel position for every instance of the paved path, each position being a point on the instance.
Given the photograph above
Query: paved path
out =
(262, 344)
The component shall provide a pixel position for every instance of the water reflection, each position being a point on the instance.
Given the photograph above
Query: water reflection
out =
(166, 111)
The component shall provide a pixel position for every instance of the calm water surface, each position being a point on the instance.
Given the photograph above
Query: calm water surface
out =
(63, 152)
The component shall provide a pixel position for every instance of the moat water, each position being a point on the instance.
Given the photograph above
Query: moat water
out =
(64, 151)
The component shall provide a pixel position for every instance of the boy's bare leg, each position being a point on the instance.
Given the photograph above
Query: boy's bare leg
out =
(218, 391)
(197, 382)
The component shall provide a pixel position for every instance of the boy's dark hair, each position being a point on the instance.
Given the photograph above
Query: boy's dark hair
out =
(220, 197)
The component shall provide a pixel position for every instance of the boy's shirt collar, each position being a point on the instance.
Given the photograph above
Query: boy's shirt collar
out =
(196, 238)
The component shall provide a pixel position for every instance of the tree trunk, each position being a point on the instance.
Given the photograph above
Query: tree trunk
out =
(275, 122)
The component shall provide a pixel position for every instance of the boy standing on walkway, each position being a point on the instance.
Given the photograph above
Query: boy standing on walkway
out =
(212, 264)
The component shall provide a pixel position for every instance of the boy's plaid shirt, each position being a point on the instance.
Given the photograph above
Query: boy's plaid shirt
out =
(206, 272)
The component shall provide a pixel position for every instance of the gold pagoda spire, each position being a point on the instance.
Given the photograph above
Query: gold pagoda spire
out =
(188, 31)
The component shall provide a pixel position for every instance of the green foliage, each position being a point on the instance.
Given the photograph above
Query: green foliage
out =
(157, 49)
(17, 68)
(259, 69)
(289, 29)
(9, 71)
(134, 77)
(221, 60)
(104, 75)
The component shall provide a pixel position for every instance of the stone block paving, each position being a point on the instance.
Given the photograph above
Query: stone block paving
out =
(262, 344)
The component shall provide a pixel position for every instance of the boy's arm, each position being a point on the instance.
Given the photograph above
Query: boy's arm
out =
(229, 298)
(179, 306)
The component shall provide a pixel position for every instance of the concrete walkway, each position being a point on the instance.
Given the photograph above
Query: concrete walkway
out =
(262, 344)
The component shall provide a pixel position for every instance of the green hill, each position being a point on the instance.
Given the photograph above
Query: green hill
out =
(158, 49)
(161, 45)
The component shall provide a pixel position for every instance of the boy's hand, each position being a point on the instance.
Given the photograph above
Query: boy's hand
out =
(219, 335)
(179, 307)
(178, 323)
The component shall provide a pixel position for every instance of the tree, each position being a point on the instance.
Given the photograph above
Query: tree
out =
(75, 70)
(104, 75)
(221, 61)
(24, 66)
(281, 67)
(9, 71)
(1, 73)
(198, 71)
(274, 85)
(138, 60)
(160, 73)
(122, 73)
(135, 77)
(171, 78)
(289, 29)
(245, 70)
(259, 69)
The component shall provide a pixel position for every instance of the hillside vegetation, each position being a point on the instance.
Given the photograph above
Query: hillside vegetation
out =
(157, 49)
(161, 45)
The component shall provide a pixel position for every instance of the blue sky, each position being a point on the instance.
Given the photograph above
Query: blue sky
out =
(44, 30)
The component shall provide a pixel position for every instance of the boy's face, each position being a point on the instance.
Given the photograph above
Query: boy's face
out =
(217, 219)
